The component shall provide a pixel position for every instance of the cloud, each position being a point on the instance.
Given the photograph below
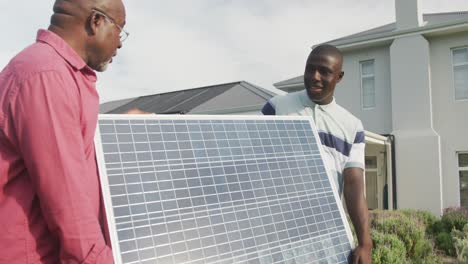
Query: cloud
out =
(185, 44)
(205, 42)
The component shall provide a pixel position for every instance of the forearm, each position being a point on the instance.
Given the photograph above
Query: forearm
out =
(357, 209)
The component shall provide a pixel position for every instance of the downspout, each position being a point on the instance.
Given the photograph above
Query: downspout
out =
(391, 138)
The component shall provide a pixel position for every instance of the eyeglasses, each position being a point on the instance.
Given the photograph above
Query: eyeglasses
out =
(123, 33)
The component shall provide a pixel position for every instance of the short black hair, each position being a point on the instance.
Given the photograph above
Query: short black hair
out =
(328, 50)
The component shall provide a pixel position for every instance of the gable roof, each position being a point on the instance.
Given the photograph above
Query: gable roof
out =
(214, 98)
(434, 21)
(388, 31)
(296, 81)
(109, 106)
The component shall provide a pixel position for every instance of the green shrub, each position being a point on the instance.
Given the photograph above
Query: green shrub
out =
(460, 243)
(431, 259)
(388, 248)
(436, 228)
(422, 248)
(424, 217)
(444, 242)
(411, 228)
(455, 218)
(409, 231)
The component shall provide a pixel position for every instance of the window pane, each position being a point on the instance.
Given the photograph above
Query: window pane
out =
(461, 82)
(371, 162)
(463, 160)
(464, 188)
(368, 102)
(371, 190)
(460, 56)
(367, 67)
(368, 92)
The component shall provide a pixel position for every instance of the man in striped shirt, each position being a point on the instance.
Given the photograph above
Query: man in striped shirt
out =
(341, 134)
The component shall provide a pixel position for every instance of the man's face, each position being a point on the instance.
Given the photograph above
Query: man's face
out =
(322, 73)
(107, 38)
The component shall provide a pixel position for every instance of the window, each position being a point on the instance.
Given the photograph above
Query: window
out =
(367, 84)
(460, 72)
(463, 170)
(372, 195)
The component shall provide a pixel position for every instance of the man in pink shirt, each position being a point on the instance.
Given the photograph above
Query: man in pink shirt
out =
(50, 203)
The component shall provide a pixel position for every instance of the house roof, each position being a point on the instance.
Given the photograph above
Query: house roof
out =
(109, 106)
(215, 98)
(431, 21)
(299, 80)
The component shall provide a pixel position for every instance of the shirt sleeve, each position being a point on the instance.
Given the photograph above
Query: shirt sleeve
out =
(268, 109)
(356, 155)
(48, 134)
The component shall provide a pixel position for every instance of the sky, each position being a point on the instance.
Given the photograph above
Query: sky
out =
(182, 44)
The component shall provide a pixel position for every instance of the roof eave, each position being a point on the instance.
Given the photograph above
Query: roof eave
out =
(288, 82)
(247, 108)
(290, 85)
(257, 90)
(388, 37)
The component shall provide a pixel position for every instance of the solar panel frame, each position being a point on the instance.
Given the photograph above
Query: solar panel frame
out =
(105, 186)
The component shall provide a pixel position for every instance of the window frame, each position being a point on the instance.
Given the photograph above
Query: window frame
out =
(364, 76)
(460, 169)
(453, 70)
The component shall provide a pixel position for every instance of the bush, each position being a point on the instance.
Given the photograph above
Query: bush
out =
(409, 231)
(409, 227)
(444, 242)
(387, 248)
(460, 243)
(432, 259)
(424, 217)
(455, 218)
(436, 228)
(422, 249)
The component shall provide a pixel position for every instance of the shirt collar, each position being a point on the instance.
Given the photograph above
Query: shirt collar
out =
(306, 102)
(63, 49)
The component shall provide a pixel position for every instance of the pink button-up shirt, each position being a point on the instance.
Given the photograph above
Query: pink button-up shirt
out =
(50, 200)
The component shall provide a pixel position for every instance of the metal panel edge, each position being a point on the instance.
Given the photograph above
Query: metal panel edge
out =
(106, 196)
(197, 117)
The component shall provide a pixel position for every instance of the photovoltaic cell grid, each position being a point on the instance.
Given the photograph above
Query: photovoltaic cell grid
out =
(218, 191)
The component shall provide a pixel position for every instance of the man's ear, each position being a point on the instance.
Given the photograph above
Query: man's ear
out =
(93, 22)
(340, 76)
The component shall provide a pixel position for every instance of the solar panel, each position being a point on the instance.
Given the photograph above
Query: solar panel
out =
(218, 189)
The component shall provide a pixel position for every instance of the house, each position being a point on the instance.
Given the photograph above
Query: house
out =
(236, 98)
(409, 80)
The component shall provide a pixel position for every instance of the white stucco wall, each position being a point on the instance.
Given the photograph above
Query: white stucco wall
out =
(348, 91)
(417, 144)
(450, 116)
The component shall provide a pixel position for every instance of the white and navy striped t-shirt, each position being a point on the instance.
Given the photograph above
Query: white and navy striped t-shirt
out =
(341, 133)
